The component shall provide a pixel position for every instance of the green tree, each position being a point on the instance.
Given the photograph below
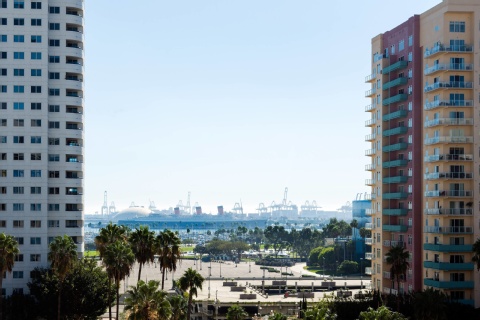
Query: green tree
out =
(118, 260)
(191, 281)
(321, 311)
(146, 302)
(142, 241)
(476, 253)
(328, 254)
(8, 251)
(235, 312)
(85, 295)
(277, 237)
(348, 267)
(304, 241)
(168, 248)
(430, 305)
(382, 313)
(179, 307)
(397, 257)
(313, 258)
(62, 255)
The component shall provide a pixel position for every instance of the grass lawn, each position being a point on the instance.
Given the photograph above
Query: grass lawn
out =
(92, 253)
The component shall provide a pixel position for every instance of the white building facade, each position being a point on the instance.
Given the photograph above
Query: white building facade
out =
(41, 128)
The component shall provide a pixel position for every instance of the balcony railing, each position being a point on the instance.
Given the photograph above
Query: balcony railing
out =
(369, 182)
(396, 179)
(369, 212)
(395, 66)
(369, 226)
(369, 241)
(370, 107)
(448, 175)
(371, 137)
(391, 243)
(448, 103)
(395, 147)
(386, 275)
(369, 256)
(449, 212)
(448, 284)
(370, 167)
(369, 270)
(395, 212)
(370, 196)
(448, 230)
(370, 92)
(370, 122)
(395, 163)
(449, 122)
(395, 195)
(395, 227)
(449, 193)
(449, 139)
(394, 99)
(448, 66)
(448, 157)
(447, 247)
(370, 77)
(394, 131)
(395, 115)
(440, 47)
(448, 85)
(394, 83)
(370, 152)
(448, 265)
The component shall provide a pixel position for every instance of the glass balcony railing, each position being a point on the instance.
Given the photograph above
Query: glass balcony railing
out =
(448, 230)
(448, 103)
(448, 122)
(449, 211)
(448, 266)
(370, 167)
(369, 270)
(370, 77)
(369, 212)
(448, 175)
(391, 243)
(370, 122)
(394, 83)
(370, 92)
(394, 131)
(369, 241)
(370, 107)
(395, 66)
(369, 256)
(448, 247)
(449, 139)
(440, 47)
(370, 196)
(448, 85)
(395, 227)
(395, 195)
(395, 115)
(394, 99)
(395, 179)
(395, 212)
(448, 284)
(369, 182)
(448, 157)
(370, 137)
(449, 193)
(369, 226)
(394, 163)
(447, 67)
(370, 152)
(395, 147)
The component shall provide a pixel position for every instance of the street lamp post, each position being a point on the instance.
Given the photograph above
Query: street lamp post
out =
(210, 267)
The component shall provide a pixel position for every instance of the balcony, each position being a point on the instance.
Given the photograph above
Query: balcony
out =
(369, 270)
(448, 85)
(387, 275)
(397, 82)
(395, 195)
(370, 152)
(440, 47)
(448, 230)
(448, 103)
(448, 284)
(396, 179)
(370, 122)
(395, 227)
(446, 266)
(394, 163)
(395, 212)
(449, 139)
(370, 92)
(394, 131)
(447, 247)
(448, 157)
(448, 67)
(449, 212)
(395, 147)
(395, 115)
(449, 193)
(369, 256)
(395, 66)
(369, 226)
(370, 107)
(394, 99)
(370, 167)
(448, 122)
(370, 77)
(369, 241)
(448, 175)
(369, 212)
(370, 196)
(369, 182)
(391, 243)
(371, 137)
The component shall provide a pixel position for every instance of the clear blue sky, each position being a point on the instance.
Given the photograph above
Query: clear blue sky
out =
(231, 100)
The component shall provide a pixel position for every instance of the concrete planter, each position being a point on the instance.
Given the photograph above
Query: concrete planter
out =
(344, 294)
(230, 283)
(306, 294)
(329, 283)
(279, 283)
(248, 296)
(237, 289)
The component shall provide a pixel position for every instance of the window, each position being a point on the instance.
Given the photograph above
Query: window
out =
(3, 89)
(53, 108)
(18, 38)
(18, 156)
(3, 122)
(53, 207)
(54, 43)
(36, 39)
(35, 139)
(35, 190)
(54, 10)
(54, 26)
(36, 106)
(53, 190)
(35, 173)
(18, 4)
(18, 139)
(18, 239)
(18, 72)
(53, 141)
(36, 5)
(457, 26)
(35, 223)
(3, 206)
(36, 72)
(54, 223)
(18, 89)
(18, 207)
(35, 122)
(54, 174)
(3, 190)
(35, 257)
(3, 139)
(3, 72)
(36, 56)
(18, 122)
(3, 106)
(3, 223)
(3, 38)
(54, 157)
(54, 92)
(17, 274)
(18, 173)
(35, 240)
(36, 22)
(54, 75)
(54, 124)
(3, 156)
(401, 45)
(19, 257)
(3, 55)
(18, 106)
(18, 22)
(54, 59)
(410, 40)
(35, 156)
(36, 89)
(3, 5)
(18, 190)
(19, 55)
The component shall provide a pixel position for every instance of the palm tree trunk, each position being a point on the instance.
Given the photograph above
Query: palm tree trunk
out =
(163, 277)
(139, 271)
(108, 297)
(190, 298)
(1, 297)
(118, 297)
(59, 300)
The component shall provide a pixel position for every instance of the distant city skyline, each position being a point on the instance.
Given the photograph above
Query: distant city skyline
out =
(229, 100)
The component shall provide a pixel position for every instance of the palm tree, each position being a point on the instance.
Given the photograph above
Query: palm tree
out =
(142, 242)
(179, 307)
(106, 236)
(235, 312)
(397, 258)
(168, 248)
(146, 302)
(191, 281)
(62, 255)
(8, 251)
(430, 305)
(118, 260)
(476, 253)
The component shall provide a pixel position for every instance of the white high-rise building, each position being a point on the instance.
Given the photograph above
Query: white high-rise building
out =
(41, 128)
